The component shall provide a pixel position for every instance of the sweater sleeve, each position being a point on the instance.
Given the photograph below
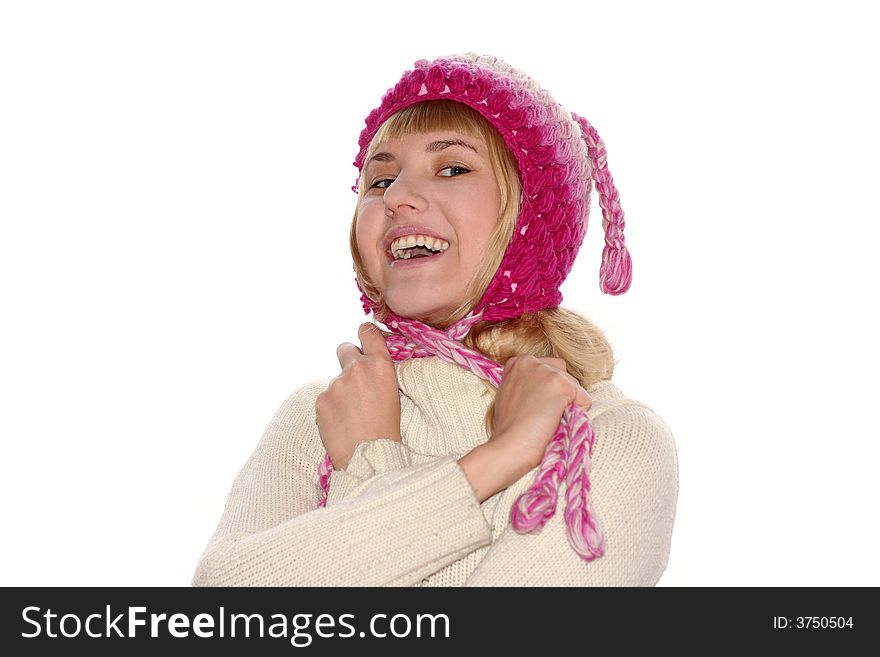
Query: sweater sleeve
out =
(634, 483)
(387, 521)
(370, 458)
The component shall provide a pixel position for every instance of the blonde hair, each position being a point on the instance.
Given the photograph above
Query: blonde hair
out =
(553, 332)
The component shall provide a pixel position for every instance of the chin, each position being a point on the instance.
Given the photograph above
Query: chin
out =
(425, 313)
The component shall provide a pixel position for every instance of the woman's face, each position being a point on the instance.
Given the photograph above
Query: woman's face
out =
(440, 185)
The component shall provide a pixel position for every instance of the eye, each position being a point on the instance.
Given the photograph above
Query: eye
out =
(456, 171)
(378, 184)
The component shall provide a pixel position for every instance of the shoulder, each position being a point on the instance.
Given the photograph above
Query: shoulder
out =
(301, 401)
(632, 440)
(634, 485)
(294, 427)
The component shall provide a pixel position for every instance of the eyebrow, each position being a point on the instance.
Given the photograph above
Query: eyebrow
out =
(433, 147)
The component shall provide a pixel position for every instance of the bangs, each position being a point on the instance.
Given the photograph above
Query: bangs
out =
(434, 116)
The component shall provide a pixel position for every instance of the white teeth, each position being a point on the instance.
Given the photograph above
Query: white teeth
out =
(409, 241)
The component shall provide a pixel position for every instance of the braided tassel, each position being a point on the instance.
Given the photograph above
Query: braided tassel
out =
(536, 506)
(324, 472)
(583, 530)
(615, 273)
(566, 458)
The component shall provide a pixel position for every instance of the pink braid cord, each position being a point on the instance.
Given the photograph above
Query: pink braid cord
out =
(566, 459)
(615, 273)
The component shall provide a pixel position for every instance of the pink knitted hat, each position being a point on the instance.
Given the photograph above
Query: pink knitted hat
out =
(559, 155)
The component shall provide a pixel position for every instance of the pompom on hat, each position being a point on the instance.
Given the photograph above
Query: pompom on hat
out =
(559, 155)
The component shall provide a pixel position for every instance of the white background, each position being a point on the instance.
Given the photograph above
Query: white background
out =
(175, 203)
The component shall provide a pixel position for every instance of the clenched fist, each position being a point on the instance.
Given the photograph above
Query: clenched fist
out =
(533, 395)
(363, 402)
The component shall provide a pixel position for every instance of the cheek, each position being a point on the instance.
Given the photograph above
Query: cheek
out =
(368, 233)
(486, 220)
(483, 222)
(475, 248)
(360, 237)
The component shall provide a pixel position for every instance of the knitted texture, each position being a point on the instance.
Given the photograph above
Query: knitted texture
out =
(559, 155)
(567, 456)
(402, 513)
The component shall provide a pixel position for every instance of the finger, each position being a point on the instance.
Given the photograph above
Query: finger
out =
(347, 353)
(372, 341)
(558, 363)
(583, 399)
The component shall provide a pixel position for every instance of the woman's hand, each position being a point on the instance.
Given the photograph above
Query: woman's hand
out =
(531, 399)
(363, 402)
(533, 395)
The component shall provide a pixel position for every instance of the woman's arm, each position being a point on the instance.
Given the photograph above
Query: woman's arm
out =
(387, 522)
(634, 494)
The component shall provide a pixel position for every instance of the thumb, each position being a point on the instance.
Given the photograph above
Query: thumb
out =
(583, 399)
(372, 340)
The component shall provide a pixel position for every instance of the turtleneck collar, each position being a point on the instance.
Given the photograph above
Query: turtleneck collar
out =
(436, 378)
(444, 405)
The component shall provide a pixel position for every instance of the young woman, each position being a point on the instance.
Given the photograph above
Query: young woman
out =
(479, 440)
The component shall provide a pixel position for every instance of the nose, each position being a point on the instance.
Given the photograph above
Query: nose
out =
(404, 195)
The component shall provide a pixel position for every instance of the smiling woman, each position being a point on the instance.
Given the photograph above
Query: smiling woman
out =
(441, 452)
(446, 194)
(477, 199)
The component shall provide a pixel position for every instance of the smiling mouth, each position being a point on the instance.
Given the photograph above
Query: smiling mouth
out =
(416, 246)
(420, 255)
(417, 252)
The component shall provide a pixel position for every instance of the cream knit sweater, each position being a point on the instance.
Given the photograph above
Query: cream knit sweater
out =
(404, 514)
